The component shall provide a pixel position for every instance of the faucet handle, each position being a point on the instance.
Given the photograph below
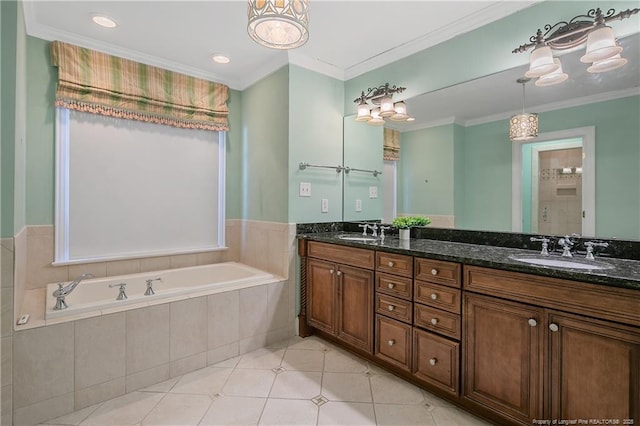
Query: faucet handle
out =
(374, 228)
(545, 244)
(364, 226)
(591, 244)
(382, 229)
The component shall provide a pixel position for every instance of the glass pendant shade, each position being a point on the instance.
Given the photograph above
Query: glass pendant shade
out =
(279, 24)
(541, 62)
(609, 64)
(386, 107)
(400, 114)
(601, 44)
(554, 77)
(523, 127)
(376, 120)
(364, 114)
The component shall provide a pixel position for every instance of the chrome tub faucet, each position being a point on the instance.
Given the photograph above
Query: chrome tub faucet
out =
(121, 293)
(149, 291)
(64, 291)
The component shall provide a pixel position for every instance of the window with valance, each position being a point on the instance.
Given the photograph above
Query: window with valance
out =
(391, 144)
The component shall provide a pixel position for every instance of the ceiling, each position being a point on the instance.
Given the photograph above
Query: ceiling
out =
(347, 38)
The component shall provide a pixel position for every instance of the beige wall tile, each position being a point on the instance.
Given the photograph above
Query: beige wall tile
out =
(187, 365)
(99, 393)
(147, 338)
(210, 257)
(279, 335)
(100, 350)
(222, 353)
(20, 268)
(155, 263)
(252, 343)
(6, 262)
(149, 377)
(223, 314)
(278, 310)
(123, 267)
(253, 311)
(6, 412)
(43, 410)
(42, 364)
(184, 261)
(98, 270)
(40, 272)
(6, 311)
(188, 328)
(6, 347)
(40, 230)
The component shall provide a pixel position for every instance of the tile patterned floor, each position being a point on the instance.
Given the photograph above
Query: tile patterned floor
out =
(299, 382)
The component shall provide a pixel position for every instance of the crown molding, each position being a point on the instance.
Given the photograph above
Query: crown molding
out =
(264, 70)
(316, 65)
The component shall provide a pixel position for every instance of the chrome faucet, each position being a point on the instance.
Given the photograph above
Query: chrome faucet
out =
(149, 291)
(590, 245)
(545, 245)
(567, 244)
(64, 291)
(374, 229)
(365, 226)
(382, 229)
(121, 294)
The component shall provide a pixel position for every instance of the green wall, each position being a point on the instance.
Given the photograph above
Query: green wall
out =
(315, 136)
(265, 148)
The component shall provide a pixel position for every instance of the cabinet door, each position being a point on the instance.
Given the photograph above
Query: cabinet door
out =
(321, 293)
(355, 306)
(502, 364)
(594, 369)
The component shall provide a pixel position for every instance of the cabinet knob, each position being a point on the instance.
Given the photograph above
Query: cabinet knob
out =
(331, 271)
(434, 296)
(339, 273)
(553, 327)
(434, 321)
(391, 342)
(391, 264)
(391, 307)
(391, 285)
(532, 322)
(433, 361)
(434, 271)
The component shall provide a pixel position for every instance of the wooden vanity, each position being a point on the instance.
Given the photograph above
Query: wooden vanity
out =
(510, 346)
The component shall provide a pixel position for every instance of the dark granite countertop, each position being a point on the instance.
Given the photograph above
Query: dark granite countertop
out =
(623, 273)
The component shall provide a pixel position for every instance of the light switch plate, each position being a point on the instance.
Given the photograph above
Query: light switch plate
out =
(305, 189)
(358, 205)
(324, 208)
(373, 192)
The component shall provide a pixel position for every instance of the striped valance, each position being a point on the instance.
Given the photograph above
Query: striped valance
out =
(95, 82)
(391, 144)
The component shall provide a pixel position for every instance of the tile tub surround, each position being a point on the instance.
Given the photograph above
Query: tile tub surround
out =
(6, 328)
(73, 365)
(296, 382)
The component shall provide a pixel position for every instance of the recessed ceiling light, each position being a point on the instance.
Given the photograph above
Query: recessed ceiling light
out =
(104, 21)
(221, 59)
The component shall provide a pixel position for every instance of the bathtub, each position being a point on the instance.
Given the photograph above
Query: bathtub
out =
(95, 295)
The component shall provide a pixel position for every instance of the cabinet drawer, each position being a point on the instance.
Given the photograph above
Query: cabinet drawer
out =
(393, 307)
(401, 287)
(438, 296)
(397, 264)
(393, 342)
(439, 272)
(361, 258)
(436, 320)
(436, 360)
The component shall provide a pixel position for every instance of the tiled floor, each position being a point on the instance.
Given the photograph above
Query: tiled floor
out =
(299, 382)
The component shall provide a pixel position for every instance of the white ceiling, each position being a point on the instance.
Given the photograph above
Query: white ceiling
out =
(347, 38)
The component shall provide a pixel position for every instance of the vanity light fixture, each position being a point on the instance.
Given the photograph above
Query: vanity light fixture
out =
(523, 127)
(279, 24)
(603, 52)
(377, 104)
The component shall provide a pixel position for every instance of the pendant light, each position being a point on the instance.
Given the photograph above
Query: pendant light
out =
(523, 127)
(279, 24)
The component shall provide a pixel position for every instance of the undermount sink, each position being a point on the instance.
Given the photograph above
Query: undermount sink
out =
(361, 239)
(561, 262)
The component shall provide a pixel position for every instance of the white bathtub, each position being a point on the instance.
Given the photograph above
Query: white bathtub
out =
(95, 295)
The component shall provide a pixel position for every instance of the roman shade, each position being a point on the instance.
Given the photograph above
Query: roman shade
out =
(391, 144)
(99, 83)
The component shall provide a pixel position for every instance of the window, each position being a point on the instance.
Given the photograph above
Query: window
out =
(129, 188)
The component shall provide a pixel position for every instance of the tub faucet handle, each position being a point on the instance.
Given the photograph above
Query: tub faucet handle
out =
(149, 291)
(121, 293)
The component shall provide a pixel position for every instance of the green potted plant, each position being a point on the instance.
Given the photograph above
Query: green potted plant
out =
(405, 223)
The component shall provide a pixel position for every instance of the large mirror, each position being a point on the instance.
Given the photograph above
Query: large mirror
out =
(457, 164)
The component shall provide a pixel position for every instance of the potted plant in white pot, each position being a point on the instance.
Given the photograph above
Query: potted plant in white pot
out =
(405, 223)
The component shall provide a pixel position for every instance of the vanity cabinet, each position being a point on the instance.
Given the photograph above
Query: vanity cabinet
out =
(340, 283)
(531, 360)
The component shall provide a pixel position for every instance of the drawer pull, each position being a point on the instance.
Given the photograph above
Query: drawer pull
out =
(532, 322)
(391, 285)
(391, 342)
(339, 273)
(391, 308)
(434, 271)
(331, 271)
(553, 327)
(434, 296)
(391, 264)
(433, 361)
(434, 321)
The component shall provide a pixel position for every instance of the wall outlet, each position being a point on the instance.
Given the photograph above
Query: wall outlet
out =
(324, 206)
(305, 189)
(373, 192)
(358, 205)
